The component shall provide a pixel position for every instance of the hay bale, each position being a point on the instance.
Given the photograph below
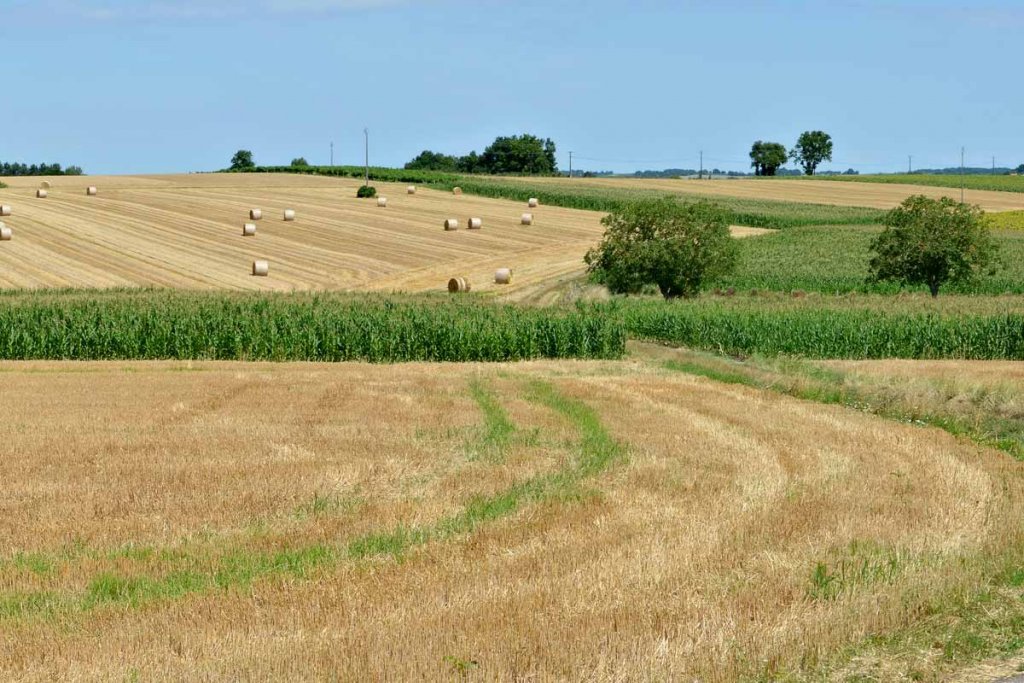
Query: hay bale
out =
(458, 285)
(289, 214)
(410, 190)
(475, 223)
(91, 191)
(5, 233)
(248, 230)
(451, 224)
(45, 184)
(527, 219)
(382, 201)
(503, 276)
(5, 210)
(255, 214)
(533, 202)
(457, 190)
(260, 268)
(41, 194)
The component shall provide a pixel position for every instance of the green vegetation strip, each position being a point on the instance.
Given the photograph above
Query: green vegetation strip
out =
(820, 328)
(595, 452)
(294, 327)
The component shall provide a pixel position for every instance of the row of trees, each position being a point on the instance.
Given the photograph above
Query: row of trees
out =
(16, 169)
(517, 154)
(677, 247)
(811, 149)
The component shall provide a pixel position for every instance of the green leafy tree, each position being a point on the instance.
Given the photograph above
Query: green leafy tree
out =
(767, 157)
(519, 154)
(432, 161)
(931, 242)
(812, 148)
(665, 243)
(299, 162)
(1020, 169)
(242, 160)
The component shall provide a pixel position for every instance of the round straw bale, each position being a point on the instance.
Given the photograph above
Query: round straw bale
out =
(91, 191)
(255, 214)
(503, 276)
(41, 194)
(289, 214)
(458, 285)
(248, 230)
(45, 184)
(261, 268)
(457, 190)
(527, 219)
(5, 233)
(5, 210)
(410, 190)
(451, 224)
(533, 202)
(475, 223)
(382, 201)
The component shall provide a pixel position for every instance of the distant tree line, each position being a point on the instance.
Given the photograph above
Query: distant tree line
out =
(16, 169)
(515, 155)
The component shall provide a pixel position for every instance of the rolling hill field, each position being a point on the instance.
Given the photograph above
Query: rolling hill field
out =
(810, 191)
(550, 520)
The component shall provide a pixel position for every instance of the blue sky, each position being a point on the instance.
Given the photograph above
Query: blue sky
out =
(127, 87)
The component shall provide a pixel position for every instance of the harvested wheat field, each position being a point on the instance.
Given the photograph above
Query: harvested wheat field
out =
(872, 195)
(548, 520)
(186, 232)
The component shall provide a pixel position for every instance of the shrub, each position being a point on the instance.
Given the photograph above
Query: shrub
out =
(366, 192)
(665, 243)
(931, 242)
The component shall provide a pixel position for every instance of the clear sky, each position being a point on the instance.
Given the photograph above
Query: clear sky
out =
(118, 86)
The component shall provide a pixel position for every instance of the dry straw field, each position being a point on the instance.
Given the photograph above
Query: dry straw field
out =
(551, 520)
(873, 195)
(186, 232)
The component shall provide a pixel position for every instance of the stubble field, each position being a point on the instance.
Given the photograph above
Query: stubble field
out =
(585, 520)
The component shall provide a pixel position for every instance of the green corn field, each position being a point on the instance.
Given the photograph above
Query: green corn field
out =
(152, 325)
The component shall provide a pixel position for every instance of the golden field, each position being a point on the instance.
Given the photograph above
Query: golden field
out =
(185, 232)
(233, 521)
(872, 195)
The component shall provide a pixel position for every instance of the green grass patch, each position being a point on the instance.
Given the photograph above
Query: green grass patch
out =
(497, 431)
(153, 325)
(834, 260)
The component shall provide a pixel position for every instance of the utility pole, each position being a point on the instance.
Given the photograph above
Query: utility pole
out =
(332, 153)
(700, 176)
(993, 165)
(910, 164)
(961, 175)
(570, 164)
(366, 135)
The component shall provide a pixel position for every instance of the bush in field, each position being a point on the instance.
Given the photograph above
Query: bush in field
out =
(242, 161)
(665, 243)
(366, 192)
(931, 242)
(299, 162)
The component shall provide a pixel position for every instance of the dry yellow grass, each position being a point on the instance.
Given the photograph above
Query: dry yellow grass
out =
(690, 559)
(874, 195)
(185, 232)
